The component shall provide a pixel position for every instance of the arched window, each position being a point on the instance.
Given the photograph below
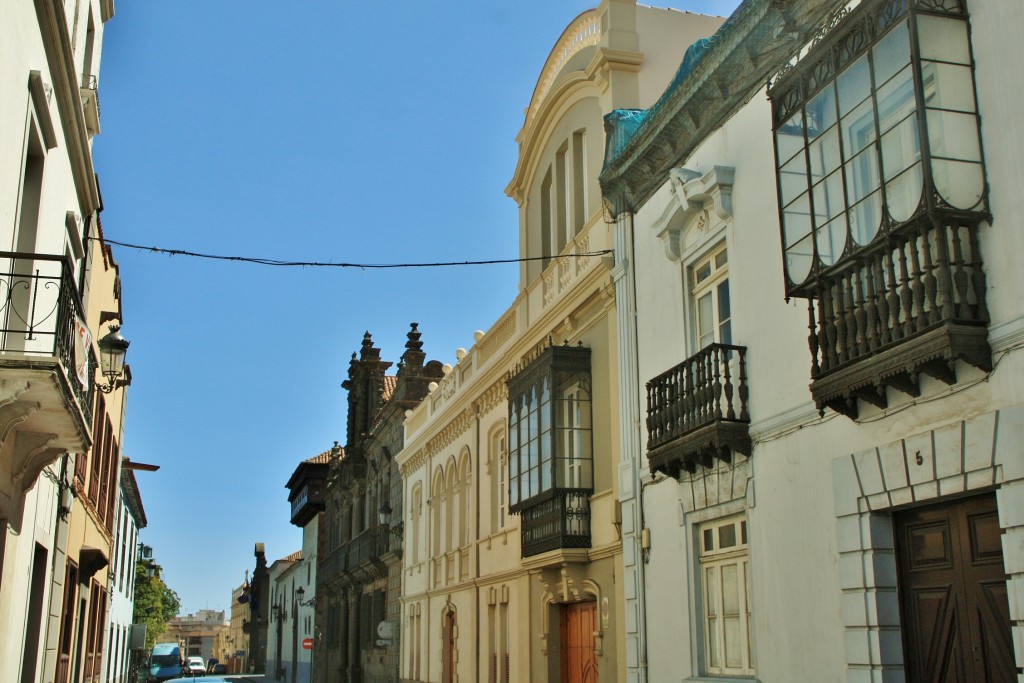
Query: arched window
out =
(414, 540)
(465, 500)
(451, 489)
(437, 506)
(498, 457)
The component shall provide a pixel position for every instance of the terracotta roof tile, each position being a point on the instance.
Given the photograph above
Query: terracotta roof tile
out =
(294, 557)
(322, 459)
(390, 383)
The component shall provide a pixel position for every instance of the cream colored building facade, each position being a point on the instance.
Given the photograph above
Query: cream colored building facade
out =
(59, 435)
(831, 484)
(511, 546)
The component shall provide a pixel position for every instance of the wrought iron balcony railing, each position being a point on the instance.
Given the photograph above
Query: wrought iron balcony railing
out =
(697, 411)
(40, 312)
(368, 546)
(560, 521)
(332, 565)
(914, 304)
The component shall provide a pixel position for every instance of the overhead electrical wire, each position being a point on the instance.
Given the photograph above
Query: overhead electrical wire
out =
(331, 264)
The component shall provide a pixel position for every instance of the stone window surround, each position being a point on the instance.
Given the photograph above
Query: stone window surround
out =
(979, 454)
(724, 490)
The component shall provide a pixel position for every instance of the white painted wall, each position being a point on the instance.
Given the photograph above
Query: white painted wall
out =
(805, 473)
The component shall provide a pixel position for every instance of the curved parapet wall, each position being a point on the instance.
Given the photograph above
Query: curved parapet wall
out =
(583, 32)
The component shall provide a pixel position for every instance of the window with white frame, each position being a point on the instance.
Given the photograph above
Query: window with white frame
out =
(499, 489)
(417, 503)
(725, 597)
(709, 283)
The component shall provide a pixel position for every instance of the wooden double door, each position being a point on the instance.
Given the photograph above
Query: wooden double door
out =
(953, 600)
(579, 658)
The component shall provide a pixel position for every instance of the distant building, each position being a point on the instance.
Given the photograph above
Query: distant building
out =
(293, 633)
(131, 517)
(359, 573)
(282, 606)
(196, 633)
(234, 641)
(258, 601)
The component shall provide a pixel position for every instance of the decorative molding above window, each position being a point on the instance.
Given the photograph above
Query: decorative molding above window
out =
(698, 201)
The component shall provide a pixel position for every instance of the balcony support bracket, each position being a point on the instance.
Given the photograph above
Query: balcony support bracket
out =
(717, 440)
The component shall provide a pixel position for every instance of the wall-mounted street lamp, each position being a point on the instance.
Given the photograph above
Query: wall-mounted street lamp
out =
(67, 499)
(301, 593)
(384, 515)
(113, 349)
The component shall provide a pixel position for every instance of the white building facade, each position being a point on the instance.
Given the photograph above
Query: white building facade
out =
(49, 203)
(855, 231)
(131, 517)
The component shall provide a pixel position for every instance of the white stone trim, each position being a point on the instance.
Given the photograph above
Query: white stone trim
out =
(977, 454)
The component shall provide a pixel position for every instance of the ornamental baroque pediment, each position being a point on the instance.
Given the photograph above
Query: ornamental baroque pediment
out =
(699, 202)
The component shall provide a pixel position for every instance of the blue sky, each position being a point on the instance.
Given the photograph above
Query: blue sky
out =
(370, 132)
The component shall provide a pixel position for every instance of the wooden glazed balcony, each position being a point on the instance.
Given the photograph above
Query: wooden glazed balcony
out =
(914, 304)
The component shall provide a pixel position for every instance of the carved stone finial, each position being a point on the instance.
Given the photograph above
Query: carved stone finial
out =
(414, 354)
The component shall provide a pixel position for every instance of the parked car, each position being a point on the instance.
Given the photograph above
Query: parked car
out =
(194, 666)
(219, 669)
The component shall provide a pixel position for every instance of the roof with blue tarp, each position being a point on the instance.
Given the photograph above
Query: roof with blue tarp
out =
(622, 124)
(718, 75)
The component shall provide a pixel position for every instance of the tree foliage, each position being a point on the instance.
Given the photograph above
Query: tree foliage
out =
(155, 603)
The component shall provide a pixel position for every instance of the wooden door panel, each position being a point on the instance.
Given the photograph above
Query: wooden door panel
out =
(954, 608)
(578, 625)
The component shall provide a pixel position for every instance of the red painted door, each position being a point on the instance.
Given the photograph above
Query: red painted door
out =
(578, 626)
(953, 602)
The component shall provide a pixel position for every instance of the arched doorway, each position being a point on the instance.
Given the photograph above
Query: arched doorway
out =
(448, 647)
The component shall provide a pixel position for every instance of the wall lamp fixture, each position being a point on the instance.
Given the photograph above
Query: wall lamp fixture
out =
(113, 349)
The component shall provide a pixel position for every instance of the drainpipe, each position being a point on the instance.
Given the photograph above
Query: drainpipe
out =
(476, 543)
(630, 487)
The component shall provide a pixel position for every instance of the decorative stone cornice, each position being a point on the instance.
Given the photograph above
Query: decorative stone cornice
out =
(694, 197)
(492, 396)
(495, 394)
(451, 431)
(607, 60)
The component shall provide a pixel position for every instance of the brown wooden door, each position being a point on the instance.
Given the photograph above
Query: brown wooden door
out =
(578, 625)
(955, 613)
(448, 648)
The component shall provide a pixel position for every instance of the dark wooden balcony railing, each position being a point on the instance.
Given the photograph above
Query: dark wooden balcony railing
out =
(308, 502)
(560, 521)
(39, 309)
(914, 304)
(697, 411)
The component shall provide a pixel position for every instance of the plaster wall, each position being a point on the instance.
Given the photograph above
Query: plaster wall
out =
(38, 527)
(657, 29)
(22, 52)
(122, 589)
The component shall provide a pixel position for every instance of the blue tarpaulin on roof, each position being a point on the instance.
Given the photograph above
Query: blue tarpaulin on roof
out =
(621, 124)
